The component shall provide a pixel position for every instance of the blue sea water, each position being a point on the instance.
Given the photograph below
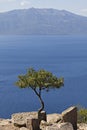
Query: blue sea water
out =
(64, 56)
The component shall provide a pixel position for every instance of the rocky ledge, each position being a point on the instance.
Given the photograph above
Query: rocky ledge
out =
(67, 120)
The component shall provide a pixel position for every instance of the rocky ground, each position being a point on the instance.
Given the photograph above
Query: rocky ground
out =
(51, 124)
(30, 121)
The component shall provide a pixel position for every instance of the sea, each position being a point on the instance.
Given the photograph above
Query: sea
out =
(64, 56)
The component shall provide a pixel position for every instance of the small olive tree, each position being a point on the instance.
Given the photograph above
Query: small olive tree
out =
(38, 81)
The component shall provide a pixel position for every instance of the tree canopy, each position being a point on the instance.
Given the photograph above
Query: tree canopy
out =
(38, 81)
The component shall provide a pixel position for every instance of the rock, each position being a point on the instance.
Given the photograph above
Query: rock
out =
(32, 124)
(82, 126)
(19, 119)
(44, 124)
(53, 118)
(23, 128)
(4, 122)
(24, 115)
(20, 123)
(61, 126)
(70, 115)
(9, 127)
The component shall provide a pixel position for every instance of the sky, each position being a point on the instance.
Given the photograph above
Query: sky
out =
(74, 6)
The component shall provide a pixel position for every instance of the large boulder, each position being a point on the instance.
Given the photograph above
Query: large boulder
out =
(20, 119)
(53, 118)
(60, 126)
(70, 115)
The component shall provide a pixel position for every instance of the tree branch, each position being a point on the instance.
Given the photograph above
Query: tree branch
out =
(40, 91)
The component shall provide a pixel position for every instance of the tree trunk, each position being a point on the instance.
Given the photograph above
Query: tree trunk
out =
(41, 101)
(42, 104)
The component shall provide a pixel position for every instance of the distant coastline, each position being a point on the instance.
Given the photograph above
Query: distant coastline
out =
(36, 21)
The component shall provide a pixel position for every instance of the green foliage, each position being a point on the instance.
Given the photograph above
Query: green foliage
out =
(82, 115)
(39, 79)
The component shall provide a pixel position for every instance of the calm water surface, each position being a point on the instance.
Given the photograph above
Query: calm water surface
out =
(63, 55)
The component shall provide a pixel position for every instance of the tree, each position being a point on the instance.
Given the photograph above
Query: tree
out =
(38, 81)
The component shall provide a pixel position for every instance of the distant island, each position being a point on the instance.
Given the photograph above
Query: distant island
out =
(35, 21)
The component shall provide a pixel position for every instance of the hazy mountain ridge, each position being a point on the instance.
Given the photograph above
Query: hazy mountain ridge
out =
(42, 21)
